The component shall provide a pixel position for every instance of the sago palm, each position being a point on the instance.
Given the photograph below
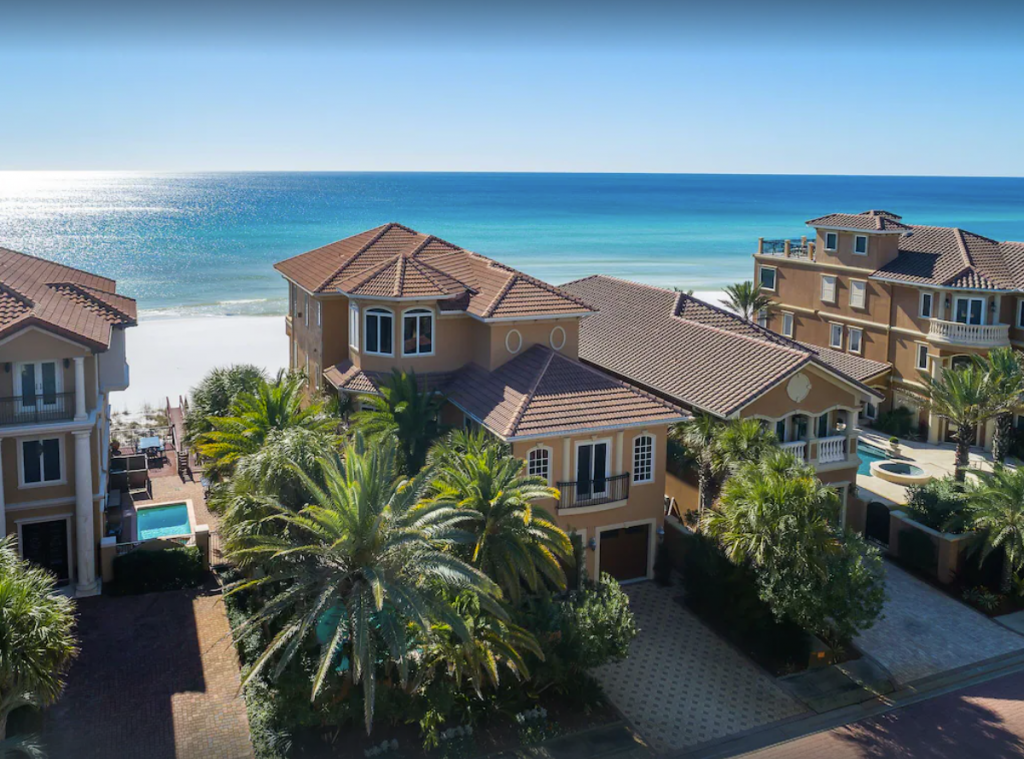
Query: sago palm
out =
(1005, 374)
(966, 398)
(998, 503)
(369, 559)
(37, 635)
(514, 541)
(699, 436)
(253, 416)
(405, 412)
(748, 300)
(741, 441)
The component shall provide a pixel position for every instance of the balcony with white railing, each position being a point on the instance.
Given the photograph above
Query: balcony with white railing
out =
(798, 448)
(832, 449)
(973, 335)
(792, 248)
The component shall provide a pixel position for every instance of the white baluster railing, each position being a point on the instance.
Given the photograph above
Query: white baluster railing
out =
(798, 448)
(831, 449)
(987, 335)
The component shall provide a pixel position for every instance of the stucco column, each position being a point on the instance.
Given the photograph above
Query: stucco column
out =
(85, 534)
(80, 414)
(618, 453)
(934, 422)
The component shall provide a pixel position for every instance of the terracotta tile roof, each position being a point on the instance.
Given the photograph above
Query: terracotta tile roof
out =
(70, 302)
(869, 221)
(857, 367)
(681, 348)
(350, 378)
(394, 261)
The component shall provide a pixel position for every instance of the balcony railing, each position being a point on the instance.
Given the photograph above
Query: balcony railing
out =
(582, 493)
(831, 449)
(979, 335)
(798, 448)
(795, 248)
(34, 409)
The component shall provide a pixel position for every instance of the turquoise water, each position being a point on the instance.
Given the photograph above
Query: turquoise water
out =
(163, 521)
(204, 243)
(868, 453)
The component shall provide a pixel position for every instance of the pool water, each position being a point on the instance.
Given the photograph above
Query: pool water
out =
(901, 468)
(868, 453)
(163, 521)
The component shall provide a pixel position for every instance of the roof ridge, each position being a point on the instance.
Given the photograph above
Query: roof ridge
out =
(964, 253)
(113, 282)
(516, 274)
(429, 271)
(513, 424)
(605, 375)
(380, 233)
(84, 292)
(792, 348)
(426, 240)
(399, 276)
(15, 293)
(500, 295)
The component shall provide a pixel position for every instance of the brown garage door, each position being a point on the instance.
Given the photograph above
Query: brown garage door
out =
(624, 552)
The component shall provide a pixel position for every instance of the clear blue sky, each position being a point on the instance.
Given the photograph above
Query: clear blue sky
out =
(640, 86)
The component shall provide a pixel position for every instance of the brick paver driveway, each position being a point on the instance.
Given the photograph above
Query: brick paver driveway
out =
(157, 678)
(925, 632)
(984, 721)
(682, 685)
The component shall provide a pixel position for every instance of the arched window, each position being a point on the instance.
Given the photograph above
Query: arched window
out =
(418, 332)
(538, 463)
(643, 459)
(380, 332)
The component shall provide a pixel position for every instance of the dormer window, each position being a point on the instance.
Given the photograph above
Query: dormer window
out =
(418, 332)
(860, 245)
(831, 241)
(380, 332)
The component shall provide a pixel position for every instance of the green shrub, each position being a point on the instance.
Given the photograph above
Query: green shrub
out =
(151, 571)
(942, 505)
(596, 624)
(898, 422)
(917, 550)
(982, 598)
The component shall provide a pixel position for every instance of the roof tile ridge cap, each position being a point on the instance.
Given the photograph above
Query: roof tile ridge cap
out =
(617, 381)
(500, 295)
(426, 268)
(774, 341)
(553, 289)
(380, 233)
(364, 277)
(581, 279)
(84, 292)
(396, 291)
(48, 262)
(16, 293)
(420, 246)
(965, 254)
(513, 423)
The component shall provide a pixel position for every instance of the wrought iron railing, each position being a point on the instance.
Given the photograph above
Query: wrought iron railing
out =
(32, 409)
(582, 493)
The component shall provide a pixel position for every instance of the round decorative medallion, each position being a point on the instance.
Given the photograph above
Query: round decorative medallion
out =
(799, 386)
(557, 338)
(513, 341)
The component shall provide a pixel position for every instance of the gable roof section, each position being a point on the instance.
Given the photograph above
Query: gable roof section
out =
(869, 221)
(859, 368)
(952, 257)
(682, 348)
(70, 302)
(395, 262)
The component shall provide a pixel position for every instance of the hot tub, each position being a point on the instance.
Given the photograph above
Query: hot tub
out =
(899, 472)
(168, 519)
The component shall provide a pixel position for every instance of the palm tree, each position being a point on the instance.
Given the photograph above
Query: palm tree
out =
(37, 640)
(699, 436)
(748, 300)
(998, 501)
(741, 441)
(215, 392)
(405, 412)
(965, 396)
(1005, 373)
(514, 542)
(253, 416)
(369, 560)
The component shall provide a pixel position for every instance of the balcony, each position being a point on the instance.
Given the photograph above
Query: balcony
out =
(584, 493)
(795, 248)
(832, 449)
(37, 409)
(798, 448)
(971, 335)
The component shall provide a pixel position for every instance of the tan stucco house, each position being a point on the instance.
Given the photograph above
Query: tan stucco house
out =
(62, 351)
(915, 298)
(504, 349)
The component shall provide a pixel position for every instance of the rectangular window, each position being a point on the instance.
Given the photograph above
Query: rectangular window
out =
(539, 463)
(762, 318)
(295, 354)
(319, 314)
(922, 357)
(295, 300)
(870, 410)
(823, 425)
(38, 384)
(316, 376)
(353, 326)
(418, 332)
(307, 310)
(835, 336)
(592, 469)
(291, 298)
(860, 245)
(1020, 314)
(831, 241)
(969, 310)
(828, 288)
(643, 459)
(40, 461)
(768, 275)
(787, 324)
(926, 305)
(858, 293)
(380, 331)
(780, 430)
(855, 339)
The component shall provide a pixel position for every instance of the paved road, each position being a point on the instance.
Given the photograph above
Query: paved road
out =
(983, 721)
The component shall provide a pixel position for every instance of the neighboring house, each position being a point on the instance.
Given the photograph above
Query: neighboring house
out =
(502, 347)
(917, 298)
(709, 360)
(62, 349)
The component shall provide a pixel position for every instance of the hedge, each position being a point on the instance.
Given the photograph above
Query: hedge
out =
(151, 571)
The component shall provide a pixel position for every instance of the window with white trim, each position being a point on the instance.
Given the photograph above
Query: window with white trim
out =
(835, 336)
(828, 288)
(855, 339)
(860, 245)
(762, 318)
(296, 301)
(922, 357)
(379, 335)
(787, 324)
(353, 326)
(831, 241)
(418, 332)
(538, 463)
(768, 277)
(643, 459)
(1020, 313)
(925, 309)
(870, 410)
(41, 461)
(858, 293)
(319, 314)
(306, 317)
(295, 354)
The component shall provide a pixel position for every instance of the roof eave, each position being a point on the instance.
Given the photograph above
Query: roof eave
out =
(859, 230)
(931, 286)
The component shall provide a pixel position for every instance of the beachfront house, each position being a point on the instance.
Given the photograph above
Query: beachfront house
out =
(62, 351)
(503, 348)
(708, 360)
(916, 299)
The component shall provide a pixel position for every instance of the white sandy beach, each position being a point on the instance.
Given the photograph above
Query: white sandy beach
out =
(168, 356)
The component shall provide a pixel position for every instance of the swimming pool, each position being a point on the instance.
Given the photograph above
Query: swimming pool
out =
(164, 521)
(868, 453)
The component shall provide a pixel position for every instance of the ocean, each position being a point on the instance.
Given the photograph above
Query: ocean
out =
(197, 244)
